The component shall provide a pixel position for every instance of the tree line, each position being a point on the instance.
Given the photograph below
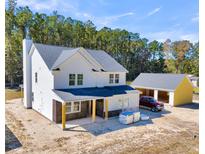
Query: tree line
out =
(135, 53)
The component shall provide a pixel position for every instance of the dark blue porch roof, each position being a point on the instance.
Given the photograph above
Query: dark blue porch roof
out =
(99, 91)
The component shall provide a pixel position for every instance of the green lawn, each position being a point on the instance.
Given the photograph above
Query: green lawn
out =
(196, 90)
(128, 82)
(12, 94)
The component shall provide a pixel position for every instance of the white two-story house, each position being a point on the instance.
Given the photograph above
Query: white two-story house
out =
(64, 83)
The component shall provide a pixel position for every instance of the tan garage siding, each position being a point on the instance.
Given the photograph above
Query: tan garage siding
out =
(183, 93)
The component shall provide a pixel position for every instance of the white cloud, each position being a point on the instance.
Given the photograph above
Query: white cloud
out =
(105, 20)
(38, 5)
(195, 19)
(72, 8)
(47, 5)
(191, 37)
(173, 35)
(153, 11)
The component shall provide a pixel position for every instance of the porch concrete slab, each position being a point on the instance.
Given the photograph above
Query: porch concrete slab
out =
(81, 122)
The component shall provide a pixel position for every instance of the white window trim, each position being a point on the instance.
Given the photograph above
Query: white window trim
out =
(113, 79)
(118, 78)
(76, 80)
(79, 80)
(114, 74)
(72, 107)
(72, 79)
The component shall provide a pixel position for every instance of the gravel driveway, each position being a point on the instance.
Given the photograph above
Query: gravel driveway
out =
(174, 130)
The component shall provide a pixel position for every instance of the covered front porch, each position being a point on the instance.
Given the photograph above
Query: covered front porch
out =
(90, 115)
(81, 122)
(86, 104)
(77, 112)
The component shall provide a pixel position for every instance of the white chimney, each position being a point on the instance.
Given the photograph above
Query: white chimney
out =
(27, 73)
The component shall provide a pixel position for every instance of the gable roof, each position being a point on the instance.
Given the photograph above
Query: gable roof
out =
(160, 81)
(65, 54)
(50, 53)
(106, 61)
(53, 56)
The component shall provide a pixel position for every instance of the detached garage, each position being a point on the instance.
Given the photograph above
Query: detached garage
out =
(175, 89)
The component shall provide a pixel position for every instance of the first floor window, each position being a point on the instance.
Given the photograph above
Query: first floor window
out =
(71, 79)
(76, 107)
(36, 77)
(68, 107)
(111, 78)
(80, 79)
(117, 76)
(72, 107)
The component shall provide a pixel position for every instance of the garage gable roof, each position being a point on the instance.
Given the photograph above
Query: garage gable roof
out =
(160, 81)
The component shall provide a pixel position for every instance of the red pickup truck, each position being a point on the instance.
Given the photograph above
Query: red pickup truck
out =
(149, 102)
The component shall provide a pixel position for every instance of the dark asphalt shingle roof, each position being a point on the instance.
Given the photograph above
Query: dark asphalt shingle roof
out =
(98, 91)
(163, 81)
(93, 93)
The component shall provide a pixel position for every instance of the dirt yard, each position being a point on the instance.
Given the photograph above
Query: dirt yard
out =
(175, 130)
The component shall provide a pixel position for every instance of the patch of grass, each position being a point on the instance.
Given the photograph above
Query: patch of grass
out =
(196, 90)
(12, 94)
(128, 82)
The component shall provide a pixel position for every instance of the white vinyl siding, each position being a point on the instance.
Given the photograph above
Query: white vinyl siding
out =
(90, 78)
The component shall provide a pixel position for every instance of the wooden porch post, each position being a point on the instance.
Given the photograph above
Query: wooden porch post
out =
(22, 95)
(89, 108)
(94, 110)
(63, 115)
(106, 108)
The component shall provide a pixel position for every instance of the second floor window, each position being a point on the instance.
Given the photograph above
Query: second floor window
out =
(75, 79)
(71, 79)
(117, 78)
(80, 79)
(111, 78)
(114, 78)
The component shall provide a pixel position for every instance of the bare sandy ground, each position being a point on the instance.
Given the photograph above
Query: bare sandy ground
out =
(172, 131)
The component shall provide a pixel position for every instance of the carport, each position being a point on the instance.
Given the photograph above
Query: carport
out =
(175, 89)
(163, 96)
(160, 95)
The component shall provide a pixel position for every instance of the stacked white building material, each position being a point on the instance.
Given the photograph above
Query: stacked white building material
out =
(136, 116)
(126, 118)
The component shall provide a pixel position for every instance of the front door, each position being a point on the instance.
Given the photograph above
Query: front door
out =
(100, 107)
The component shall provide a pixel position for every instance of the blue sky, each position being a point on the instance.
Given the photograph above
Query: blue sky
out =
(153, 19)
